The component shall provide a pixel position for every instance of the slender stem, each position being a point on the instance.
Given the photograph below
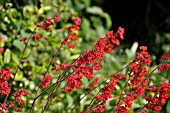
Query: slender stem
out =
(99, 85)
(141, 83)
(17, 68)
(51, 62)
(145, 79)
(93, 99)
(52, 90)
(123, 91)
(59, 80)
(55, 99)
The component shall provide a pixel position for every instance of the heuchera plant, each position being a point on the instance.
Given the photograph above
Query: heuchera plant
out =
(136, 80)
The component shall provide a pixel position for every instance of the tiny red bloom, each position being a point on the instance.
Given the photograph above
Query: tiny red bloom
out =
(18, 110)
(47, 29)
(56, 18)
(121, 32)
(37, 36)
(40, 25)
(48, 19)
(24, 38)
(64, 65)
(56, 68)
(77, 21)
(157, 108)
(84, 111)
(1, 50)
(12, 104)
(45, 81)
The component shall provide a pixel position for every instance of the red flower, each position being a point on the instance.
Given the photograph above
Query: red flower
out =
(56, 68)
(77, 21)
(40, 25)
(45, 81)
(37, 36)
(84, 111)
(121, 32)
(47, 29)
(24, 39)
(57, 17)
(48, 19)
(64, 65)
(99, 109)
(18, 110)
(12, 104)
(157, 108)
(1, 50)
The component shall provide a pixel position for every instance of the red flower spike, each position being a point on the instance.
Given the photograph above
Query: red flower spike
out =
(73, 81)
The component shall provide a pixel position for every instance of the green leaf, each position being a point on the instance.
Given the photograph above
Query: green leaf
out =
(108, 21)
(115, 63)
(7, 56)
(19, 45)
(85, 81)
(168, 107)
(69, 100)
(95, 10)
(1, 61)
(15, 58)
(134, 48)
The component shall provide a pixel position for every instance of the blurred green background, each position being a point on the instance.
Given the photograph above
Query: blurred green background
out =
(145, 22)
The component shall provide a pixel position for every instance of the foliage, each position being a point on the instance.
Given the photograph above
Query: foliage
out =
(20, 20)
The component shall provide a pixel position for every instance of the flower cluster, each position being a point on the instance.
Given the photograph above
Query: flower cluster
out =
(99, 109)
(165, 66)
(89, 60)
(107, 90)
(62, 66)
(45, 81)
(5, 75)
(94, 83)
(137, 80)
(5, 90)
(49, 22)
(45, 26)
(159, 99)
(17, 95)
(71, 32)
